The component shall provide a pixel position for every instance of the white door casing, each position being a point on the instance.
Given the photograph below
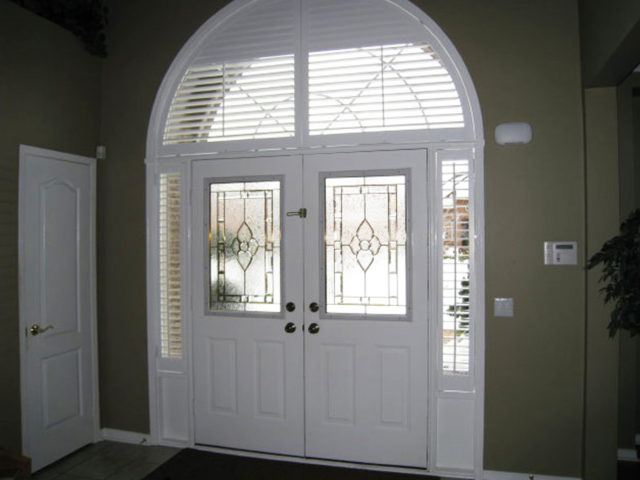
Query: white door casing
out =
(248, 372)
(366, 374)
(57, 293)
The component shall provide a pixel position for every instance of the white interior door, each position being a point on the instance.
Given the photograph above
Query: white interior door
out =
(57, 292)
(247, 304)
(366, 341)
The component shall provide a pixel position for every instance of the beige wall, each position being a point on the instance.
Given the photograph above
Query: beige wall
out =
(534, 367)
(49, 97)
(524, 59)
(601, 425)
(144, 37)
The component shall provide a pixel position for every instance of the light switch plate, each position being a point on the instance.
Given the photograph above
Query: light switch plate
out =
(503, 307)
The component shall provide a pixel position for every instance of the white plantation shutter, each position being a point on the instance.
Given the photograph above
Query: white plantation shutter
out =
(170, 265)
(240, 84)
(372, 68)
(234, 101)
(263, 28)
(456, 266)
(368, 65)
(340, 24)
(381, 88)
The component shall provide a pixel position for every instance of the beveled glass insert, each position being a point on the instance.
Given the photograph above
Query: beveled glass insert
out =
(365, 245)
(244, 246)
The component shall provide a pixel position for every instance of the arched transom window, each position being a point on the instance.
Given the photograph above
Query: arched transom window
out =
(306, 73)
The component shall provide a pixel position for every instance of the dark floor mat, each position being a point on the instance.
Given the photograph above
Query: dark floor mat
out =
(190, 464)
(628, 470)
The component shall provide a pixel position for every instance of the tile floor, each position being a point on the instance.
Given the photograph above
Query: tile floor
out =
(108, 461)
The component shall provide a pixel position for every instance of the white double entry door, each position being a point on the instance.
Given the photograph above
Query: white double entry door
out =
(309, 287)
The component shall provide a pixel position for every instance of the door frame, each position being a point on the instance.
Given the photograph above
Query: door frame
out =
(171, 381)
(25, 152)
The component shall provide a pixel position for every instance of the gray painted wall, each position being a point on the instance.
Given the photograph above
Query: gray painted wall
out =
(49, 97)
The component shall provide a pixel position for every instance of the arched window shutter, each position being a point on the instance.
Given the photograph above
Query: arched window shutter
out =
(339, 24)
(369, 67)
(373, 68)
(240, 85)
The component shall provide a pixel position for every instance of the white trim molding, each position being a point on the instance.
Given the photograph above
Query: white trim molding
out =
(123, 436)
(494, 475)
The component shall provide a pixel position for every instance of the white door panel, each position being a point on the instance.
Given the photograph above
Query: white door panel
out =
(358, 390)
(366, 367)
(56, 210)
(248, 369)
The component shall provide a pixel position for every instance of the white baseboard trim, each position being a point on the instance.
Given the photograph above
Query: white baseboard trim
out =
(123, 436)
(493, 475)
(627, 455)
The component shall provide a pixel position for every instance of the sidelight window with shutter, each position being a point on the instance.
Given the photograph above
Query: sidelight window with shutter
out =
(169, 234)
(456, 255)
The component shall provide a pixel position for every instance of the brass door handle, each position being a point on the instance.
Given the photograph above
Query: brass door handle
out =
(36, 329)
(302, 213)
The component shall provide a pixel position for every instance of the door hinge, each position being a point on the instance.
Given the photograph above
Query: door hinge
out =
(302, 213)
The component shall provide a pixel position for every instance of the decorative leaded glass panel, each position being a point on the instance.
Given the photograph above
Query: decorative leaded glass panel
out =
(244, 246)
(366, 245)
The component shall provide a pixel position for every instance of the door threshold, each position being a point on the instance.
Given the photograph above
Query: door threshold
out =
(314, 461)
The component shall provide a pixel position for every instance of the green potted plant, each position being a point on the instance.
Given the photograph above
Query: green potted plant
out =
(620, 260)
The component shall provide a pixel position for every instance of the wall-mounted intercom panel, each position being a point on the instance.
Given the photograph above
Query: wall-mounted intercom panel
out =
(560, 253)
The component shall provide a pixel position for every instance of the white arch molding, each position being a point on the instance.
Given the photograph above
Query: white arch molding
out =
(170, 382)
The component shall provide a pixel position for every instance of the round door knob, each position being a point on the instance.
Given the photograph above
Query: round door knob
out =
(314, 328)
(290, 327)
(290, 306)
(314, 307)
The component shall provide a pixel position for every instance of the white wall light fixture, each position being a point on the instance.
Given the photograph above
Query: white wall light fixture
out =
(513, 133)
